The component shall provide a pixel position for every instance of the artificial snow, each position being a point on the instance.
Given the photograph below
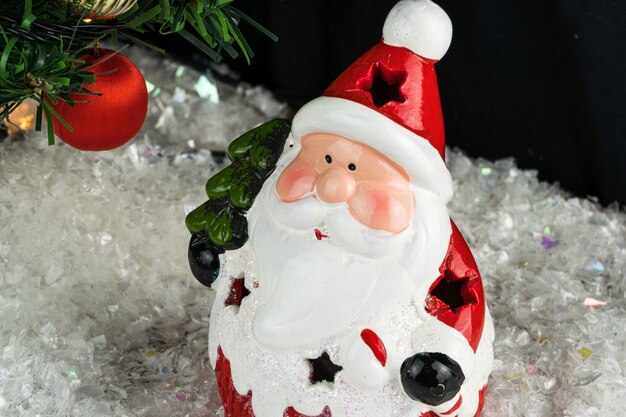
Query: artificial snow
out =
(100, 316)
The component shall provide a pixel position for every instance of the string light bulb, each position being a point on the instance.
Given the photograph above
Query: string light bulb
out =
(22, 118)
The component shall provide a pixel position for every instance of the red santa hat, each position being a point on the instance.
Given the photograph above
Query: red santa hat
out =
(389, 99)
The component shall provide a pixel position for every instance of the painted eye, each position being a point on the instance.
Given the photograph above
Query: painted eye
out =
(352, 167)
(328, 158)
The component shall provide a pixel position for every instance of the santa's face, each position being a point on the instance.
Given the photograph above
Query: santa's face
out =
(337, 234)
(376, 190)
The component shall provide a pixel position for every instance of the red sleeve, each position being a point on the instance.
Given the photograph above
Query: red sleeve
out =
(457, 298)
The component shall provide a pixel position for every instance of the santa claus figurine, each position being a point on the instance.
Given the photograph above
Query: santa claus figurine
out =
(352, 293)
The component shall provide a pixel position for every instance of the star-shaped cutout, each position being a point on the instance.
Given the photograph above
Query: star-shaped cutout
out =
(323, 369)
(451, 292)
(383, 84)
(238, 292)
(291, 412)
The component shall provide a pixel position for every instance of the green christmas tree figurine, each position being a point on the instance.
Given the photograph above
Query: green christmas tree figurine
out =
(220, 223)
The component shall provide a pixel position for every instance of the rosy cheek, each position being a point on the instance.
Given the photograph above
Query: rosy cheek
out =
(382, 207)
(296, 181)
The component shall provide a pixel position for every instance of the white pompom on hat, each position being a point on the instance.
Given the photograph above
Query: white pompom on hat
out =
(420, 26)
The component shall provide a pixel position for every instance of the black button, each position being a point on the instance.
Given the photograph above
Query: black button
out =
(431, 378)
(204, 259)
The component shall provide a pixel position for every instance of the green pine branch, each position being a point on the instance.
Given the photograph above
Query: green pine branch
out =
(233, 190)
(41, 40)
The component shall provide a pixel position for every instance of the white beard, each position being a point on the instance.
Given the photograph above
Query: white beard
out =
(311, 290)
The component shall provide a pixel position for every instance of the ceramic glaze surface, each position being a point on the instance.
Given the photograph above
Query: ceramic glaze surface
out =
(298, 309)
(340, 170)
(355, 294)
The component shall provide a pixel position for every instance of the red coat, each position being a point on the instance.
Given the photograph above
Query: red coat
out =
(457, 298)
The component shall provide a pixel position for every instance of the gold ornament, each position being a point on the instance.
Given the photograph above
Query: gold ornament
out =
(102, 9)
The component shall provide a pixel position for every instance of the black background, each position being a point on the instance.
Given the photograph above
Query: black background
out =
(543, 81)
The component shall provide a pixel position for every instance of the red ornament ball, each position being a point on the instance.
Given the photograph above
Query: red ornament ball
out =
(110, 120)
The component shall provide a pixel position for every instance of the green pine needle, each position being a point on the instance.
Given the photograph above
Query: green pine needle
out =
(40, 41)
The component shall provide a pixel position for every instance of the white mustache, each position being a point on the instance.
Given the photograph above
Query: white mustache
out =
(335, 221)
(306, 213)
